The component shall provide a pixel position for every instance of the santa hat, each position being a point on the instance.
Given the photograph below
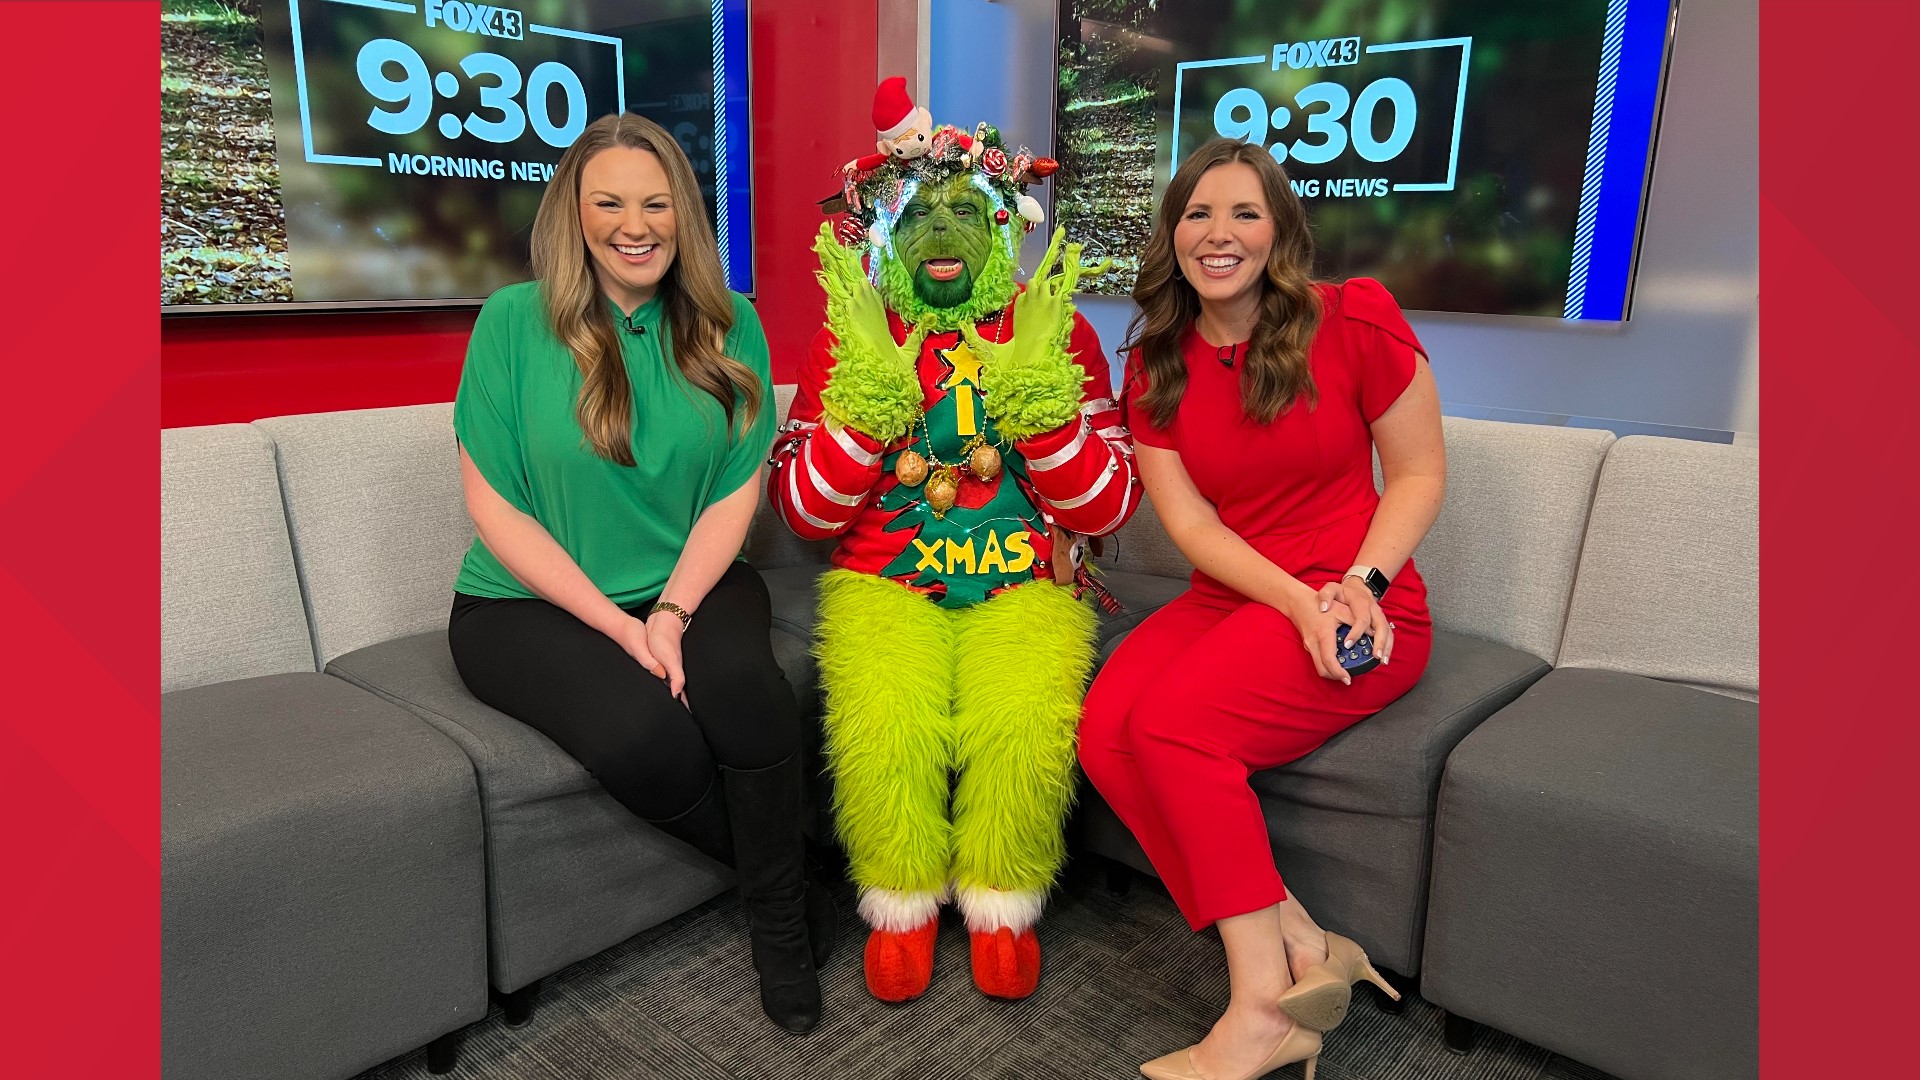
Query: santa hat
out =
(892, 108)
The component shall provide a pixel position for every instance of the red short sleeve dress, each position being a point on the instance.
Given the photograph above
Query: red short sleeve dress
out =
(1215, 686)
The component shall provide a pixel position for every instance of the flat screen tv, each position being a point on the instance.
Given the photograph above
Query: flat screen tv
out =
(355, 153)
(1487, 156)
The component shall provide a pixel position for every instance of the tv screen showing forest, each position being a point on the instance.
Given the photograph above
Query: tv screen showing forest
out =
(363, 152)
(1486, 156)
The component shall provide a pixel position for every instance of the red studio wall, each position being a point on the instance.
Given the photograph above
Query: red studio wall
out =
(813, 79)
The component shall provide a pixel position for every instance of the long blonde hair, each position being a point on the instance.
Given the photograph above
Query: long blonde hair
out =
(699, 309)
(1277, 369)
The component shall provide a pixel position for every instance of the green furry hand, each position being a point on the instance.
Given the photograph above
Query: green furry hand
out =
(874, 388)
(1031, 383)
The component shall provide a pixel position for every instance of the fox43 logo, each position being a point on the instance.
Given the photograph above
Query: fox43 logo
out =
(475, 18)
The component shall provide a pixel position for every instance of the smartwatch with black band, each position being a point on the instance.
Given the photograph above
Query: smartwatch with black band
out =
(1376, 581)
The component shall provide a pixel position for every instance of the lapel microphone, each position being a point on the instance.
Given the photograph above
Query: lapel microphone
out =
(1227, 354)
(630, 326)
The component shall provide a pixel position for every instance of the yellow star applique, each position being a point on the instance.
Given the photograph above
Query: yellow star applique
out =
(964, 383)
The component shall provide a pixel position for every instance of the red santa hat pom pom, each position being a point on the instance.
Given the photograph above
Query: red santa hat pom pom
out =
(892, 108)
(994, 161)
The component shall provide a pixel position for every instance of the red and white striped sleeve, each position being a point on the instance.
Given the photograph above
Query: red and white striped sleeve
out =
(820, 475)
(1083, 471)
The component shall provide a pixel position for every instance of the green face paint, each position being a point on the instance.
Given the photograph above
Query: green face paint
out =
(944, 236)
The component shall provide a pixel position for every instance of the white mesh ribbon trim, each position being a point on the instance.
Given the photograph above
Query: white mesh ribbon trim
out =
(820, 484)
(1126, 504)
(1087, 496)
(852, 448)
(1117, 437)
(1064, 454)
(793, 499)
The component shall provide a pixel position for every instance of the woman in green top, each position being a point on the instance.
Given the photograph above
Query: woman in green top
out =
(613, 418)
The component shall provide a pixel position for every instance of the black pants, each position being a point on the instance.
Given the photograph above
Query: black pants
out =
(660, 759)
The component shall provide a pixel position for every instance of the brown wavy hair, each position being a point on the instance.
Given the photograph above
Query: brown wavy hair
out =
(1276, 371)
(699, 309)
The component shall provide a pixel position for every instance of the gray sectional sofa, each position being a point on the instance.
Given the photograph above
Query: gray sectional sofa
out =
(1596, 847)
(355, 850)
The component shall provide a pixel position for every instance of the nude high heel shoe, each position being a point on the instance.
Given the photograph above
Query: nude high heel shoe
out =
(1320, 998)
(1300, 1044)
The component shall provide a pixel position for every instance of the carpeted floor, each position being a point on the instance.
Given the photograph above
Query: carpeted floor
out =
(1123, 981)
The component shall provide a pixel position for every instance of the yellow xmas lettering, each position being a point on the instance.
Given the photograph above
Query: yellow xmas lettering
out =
(1021, 544)
(930, 556)
(957, 553)
(991, 557)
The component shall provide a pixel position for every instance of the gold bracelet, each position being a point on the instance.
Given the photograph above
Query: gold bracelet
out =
(673, 609)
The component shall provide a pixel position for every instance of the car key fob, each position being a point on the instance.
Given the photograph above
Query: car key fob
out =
(1357, 658)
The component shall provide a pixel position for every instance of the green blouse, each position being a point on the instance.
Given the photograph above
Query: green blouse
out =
(625, 527)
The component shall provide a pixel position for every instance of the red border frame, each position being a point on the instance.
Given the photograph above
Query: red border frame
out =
(1840, 380)
(78, 747)
(79, 731)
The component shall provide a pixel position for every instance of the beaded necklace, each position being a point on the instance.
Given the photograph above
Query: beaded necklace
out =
(979, 458)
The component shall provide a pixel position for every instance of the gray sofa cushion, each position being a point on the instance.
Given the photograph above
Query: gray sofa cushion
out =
(1351, 822)
(321, 881)
(378, 519)
(1669, 576)
(229, 601)
(1499, 560)
(1595, 886)
(569, 870)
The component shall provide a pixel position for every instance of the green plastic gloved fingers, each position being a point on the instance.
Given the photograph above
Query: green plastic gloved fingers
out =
(873, 388)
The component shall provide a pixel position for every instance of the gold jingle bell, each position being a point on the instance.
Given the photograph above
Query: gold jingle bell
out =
(984, 462)
(910, 468)
(942, 489)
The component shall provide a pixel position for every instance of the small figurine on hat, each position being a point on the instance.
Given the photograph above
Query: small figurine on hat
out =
(906, 129)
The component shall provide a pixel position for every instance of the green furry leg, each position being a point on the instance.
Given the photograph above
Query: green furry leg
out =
(1028, 653)
(886, 665)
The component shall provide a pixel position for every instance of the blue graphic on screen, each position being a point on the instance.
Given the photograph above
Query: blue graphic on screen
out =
(1612, 191)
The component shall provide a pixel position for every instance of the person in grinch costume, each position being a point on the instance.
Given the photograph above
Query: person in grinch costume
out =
(957, 433)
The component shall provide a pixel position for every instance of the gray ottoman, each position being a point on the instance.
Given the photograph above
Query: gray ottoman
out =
(321, 881)
(1595, 885)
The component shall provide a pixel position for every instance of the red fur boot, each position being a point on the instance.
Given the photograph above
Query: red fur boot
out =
(899, 966)
(1006, 964)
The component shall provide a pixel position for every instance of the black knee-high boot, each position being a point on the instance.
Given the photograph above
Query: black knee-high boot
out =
(770, 863)
(704, 826)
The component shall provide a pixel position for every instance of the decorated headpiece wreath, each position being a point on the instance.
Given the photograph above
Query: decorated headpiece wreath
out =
(876, 188)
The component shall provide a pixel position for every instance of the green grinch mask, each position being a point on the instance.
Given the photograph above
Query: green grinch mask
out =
(943, 235)
(949, 262)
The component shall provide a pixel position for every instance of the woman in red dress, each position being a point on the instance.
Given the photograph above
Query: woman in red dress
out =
(1256, 397)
